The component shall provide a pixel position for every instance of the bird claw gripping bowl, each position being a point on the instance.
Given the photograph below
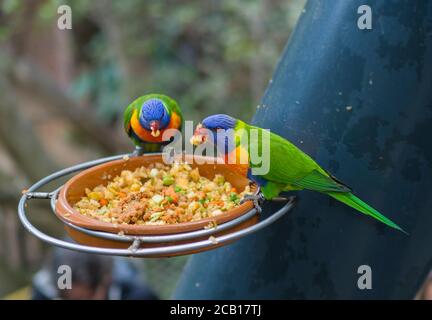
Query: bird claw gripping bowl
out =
(151, 237)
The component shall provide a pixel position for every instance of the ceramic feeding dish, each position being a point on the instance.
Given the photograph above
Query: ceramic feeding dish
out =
(74, 190)
(94, 236)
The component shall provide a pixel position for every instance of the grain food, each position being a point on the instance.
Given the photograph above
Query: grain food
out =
(159, 194)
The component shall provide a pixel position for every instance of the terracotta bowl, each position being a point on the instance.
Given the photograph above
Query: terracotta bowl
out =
(74, 190)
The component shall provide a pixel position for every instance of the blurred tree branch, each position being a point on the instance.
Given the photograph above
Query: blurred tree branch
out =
(30, 77)
(18, 137)
(8, 193)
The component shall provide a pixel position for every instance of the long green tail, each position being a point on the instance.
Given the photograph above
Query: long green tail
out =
(354, 202)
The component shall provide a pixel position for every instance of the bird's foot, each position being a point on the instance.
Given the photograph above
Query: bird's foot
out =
(257, 200)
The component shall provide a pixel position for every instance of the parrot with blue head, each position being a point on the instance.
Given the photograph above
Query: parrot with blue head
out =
(147, 118)
(289, 167)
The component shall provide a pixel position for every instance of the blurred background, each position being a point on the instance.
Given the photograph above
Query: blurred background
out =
(63, 93)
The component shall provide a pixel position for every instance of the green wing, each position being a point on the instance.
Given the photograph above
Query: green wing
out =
(319, 182)
(127, 115)
(291, 166)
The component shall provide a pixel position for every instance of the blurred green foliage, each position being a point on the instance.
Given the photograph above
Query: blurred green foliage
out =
(202, 53)
(212, 56)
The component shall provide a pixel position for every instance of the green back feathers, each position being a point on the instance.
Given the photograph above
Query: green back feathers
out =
(283, 152)
(292, 169)
(127, 116)
(316, 181)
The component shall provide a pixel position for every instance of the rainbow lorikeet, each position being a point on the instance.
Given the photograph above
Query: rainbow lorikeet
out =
(147, 117)
(289, 167)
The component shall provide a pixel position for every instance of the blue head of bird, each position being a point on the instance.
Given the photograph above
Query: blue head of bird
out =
(218, 129)
(154, 116)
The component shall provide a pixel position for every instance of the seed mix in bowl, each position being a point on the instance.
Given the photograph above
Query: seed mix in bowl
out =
(160, 194)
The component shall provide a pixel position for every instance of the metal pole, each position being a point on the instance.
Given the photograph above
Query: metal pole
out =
(360, 102)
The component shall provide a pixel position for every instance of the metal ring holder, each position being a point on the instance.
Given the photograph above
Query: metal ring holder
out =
(135, 241)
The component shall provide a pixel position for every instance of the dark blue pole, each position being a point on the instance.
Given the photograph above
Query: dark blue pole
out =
(360, 102)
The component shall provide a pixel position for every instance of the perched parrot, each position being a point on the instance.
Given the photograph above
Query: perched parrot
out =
(146, 118)
(289, 168)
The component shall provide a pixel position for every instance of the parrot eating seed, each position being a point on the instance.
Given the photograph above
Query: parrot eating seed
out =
(289, 167)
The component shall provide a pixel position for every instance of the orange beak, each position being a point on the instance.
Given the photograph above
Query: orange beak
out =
(154, 126)
(200, 135)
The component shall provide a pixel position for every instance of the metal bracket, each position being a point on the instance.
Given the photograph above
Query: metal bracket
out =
(38, 195)
(139, 151)
(257, 199)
